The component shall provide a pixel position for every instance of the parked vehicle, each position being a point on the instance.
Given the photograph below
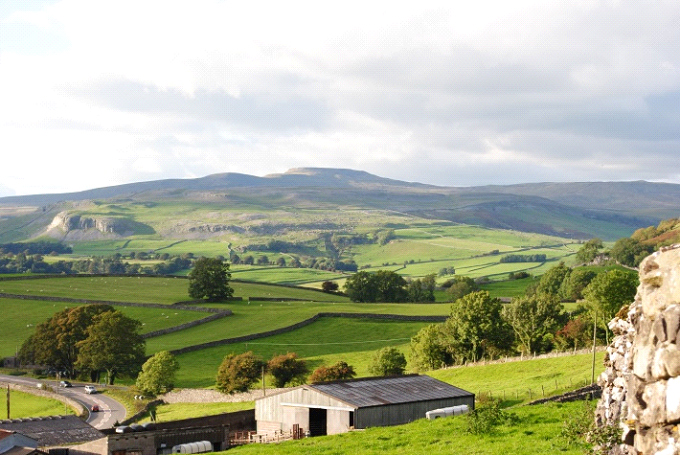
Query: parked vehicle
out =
(89, 389)
(64, 384)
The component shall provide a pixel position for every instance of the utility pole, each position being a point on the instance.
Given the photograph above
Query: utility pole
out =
(264, 389)
(8, 415)
(592, 379)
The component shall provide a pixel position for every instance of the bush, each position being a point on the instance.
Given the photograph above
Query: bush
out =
(238, 373)
(337, 372)
(486, 417)
(287, 368)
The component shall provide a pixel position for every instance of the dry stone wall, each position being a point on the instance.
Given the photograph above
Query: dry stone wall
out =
(641, 381)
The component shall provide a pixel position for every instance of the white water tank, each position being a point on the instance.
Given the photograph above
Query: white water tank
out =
(193, 447)
(447, 412)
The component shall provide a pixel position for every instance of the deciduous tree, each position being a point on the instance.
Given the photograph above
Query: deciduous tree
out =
(287, 368)
(210, 279)
(428, 349)
(238, 372)
(476, 328)
(158, 374)
(113, 344)
(338, 372)
(388, 361)
(534, 319)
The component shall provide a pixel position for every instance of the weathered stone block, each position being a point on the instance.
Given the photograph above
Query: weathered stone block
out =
(673, 400)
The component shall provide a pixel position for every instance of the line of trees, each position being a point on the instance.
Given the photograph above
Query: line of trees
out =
(388, 286)
(480, 326)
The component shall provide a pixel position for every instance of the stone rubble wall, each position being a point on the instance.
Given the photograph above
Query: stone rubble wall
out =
(641, 381)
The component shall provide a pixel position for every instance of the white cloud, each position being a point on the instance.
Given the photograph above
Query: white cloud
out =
(543, 90)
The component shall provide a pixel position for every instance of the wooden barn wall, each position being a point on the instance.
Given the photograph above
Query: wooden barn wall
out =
(397, 414)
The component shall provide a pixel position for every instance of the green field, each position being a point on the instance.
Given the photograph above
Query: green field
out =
(24, 404)
(256, 317)
(21, 317)
(514, 380)
(325, 341)
(534, 430)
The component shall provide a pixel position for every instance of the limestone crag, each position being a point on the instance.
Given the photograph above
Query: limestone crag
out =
(641, 381)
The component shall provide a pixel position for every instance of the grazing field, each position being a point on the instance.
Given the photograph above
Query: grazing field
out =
(512, 288)
(535, 430)
(283, 275)
(256, 317)
(514, 380)
(163, 290)
(24, 404)
(324, 341)
(21, 317)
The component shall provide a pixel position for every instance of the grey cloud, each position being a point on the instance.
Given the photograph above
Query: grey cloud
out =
(268, 111)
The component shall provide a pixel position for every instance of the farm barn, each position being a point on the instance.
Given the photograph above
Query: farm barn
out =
(337, 407)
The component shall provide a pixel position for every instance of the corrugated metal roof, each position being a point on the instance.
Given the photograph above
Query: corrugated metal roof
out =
(393, 390)
(53, 430)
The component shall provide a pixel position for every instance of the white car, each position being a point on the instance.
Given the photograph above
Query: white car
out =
(89, 389)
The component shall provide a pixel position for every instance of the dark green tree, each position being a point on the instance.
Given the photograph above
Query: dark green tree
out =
(422, 289)
(630, 252)
(55, 342)
(113, 344)
(388, 361)
(391, 287)
(210, 279)
(238, 372)
(360, 287)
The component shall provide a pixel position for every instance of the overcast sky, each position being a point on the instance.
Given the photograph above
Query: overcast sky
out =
(456, 93)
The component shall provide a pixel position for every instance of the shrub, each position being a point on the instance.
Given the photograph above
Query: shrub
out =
(337, 372)
(388, 361)
(238, 372)
(287, 368)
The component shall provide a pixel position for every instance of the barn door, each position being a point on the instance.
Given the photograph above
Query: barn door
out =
(317, 422)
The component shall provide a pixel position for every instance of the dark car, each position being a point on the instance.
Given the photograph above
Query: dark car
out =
(64, 384)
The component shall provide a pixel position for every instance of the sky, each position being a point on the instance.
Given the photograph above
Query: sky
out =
(451, 93)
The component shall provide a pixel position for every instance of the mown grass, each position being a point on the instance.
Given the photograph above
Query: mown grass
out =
(322, 342)
(534, 430)
(24, 404)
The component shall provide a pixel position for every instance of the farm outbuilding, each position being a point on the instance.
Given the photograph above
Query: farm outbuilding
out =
(336, 407)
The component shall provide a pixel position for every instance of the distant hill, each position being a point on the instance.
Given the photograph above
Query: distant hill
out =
(608, 210)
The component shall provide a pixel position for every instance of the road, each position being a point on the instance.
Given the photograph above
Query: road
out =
(111, 411)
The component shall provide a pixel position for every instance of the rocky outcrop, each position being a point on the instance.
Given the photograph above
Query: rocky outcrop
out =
(641, 382)
(69, 223)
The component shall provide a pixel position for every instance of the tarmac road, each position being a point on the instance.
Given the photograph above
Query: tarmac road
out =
(111, 411)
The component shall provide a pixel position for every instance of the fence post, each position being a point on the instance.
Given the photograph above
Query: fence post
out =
(543, 390)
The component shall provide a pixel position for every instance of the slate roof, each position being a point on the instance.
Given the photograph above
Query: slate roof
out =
(391, 390)
(53, 430)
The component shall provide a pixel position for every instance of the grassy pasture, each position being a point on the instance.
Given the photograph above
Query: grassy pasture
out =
(21, 317)
(324, 341)
(535, 431)
(513, 288)
(282, 275)
(24, 404)
(256, 317)
(554, 375)
(147, 289)
(180, 411)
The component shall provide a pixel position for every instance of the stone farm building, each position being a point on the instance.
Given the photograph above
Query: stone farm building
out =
(337, 407)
